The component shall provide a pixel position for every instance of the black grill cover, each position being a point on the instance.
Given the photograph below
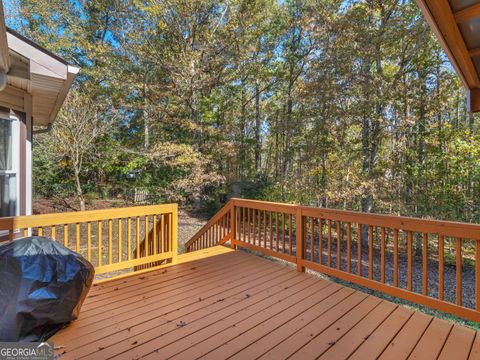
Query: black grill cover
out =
(42, 287)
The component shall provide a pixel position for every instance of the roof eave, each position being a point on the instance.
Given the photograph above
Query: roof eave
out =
(442, 22)
(62, 95)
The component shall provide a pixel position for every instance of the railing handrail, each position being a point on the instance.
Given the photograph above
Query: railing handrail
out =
(410, 223)
(295, 233)
(18, 222)
(218, 215)
(107, 237)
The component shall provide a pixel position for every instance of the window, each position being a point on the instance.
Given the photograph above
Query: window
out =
(9, 165)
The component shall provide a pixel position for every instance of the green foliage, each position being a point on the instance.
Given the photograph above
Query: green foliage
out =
(342, 104)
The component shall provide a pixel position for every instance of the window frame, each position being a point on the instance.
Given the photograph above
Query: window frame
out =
(15, 121)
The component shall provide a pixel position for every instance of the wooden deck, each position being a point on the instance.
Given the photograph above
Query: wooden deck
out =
(231, 304)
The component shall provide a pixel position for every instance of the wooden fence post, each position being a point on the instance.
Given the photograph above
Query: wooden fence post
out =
(175, 233)
(233, 226)
(299, 238)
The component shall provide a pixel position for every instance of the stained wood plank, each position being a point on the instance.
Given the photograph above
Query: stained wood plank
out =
(186, 337)
(262, 344)
(374, 345)
(475, 351)
(157, 303)
(166, 321)
(248, 330)
(360, 333)
(432, 341)
(458, 344)
(402, 345)
(241, 306)
(319, 344)
(300, 338)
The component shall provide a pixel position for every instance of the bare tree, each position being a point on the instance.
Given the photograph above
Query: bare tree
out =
(74, 134)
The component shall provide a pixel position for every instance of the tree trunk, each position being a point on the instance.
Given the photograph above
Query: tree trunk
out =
(146, 122)
(79, 190)
(258, 144)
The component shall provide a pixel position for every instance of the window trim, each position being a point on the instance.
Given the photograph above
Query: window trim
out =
(15, 121)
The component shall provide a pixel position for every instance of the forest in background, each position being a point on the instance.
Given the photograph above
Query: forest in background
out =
(340, 104)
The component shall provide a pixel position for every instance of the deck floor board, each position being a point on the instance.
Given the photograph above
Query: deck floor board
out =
(221, 304)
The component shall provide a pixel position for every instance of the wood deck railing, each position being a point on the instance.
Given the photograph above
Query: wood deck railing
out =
(409, 258)
(217, 231)
(110, 239)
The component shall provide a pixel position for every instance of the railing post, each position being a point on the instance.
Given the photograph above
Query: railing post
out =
(174, 233)
(233, 226)
(299, 222)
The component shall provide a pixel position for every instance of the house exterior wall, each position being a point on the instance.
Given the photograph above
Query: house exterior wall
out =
(18, 109)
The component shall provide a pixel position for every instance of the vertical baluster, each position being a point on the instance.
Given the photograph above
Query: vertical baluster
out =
(221, 230)
(395, 257)
(425, 264)
(119, 238)
(320, 241)
(110, 241)
(458, 268)
(359, 250)
(277, 240)
(339, 245)
(245, 222)
(329, 243)
(370, 252)
(137, 235)
(248, 225)
(265, 229)
(254, 229)
(77, 236)
(100, 255)
(209, 237)
(129, 238)
(441, 244)
(161, 240)
(25, 232)
(258, 228)
(290, 243)
(65, 235)
(155, 244)
(300, 238)
(283, 233)
(312, 239)
(40, 231)
(89, 241)
(239, 227)
(147, 245)
(271, 231)
(409, 261)
(228, 222)
(349, 247)
(382, 254)
(477, 275)
(167, 233)
(54, 232)
(239, 223)
(170, 233)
